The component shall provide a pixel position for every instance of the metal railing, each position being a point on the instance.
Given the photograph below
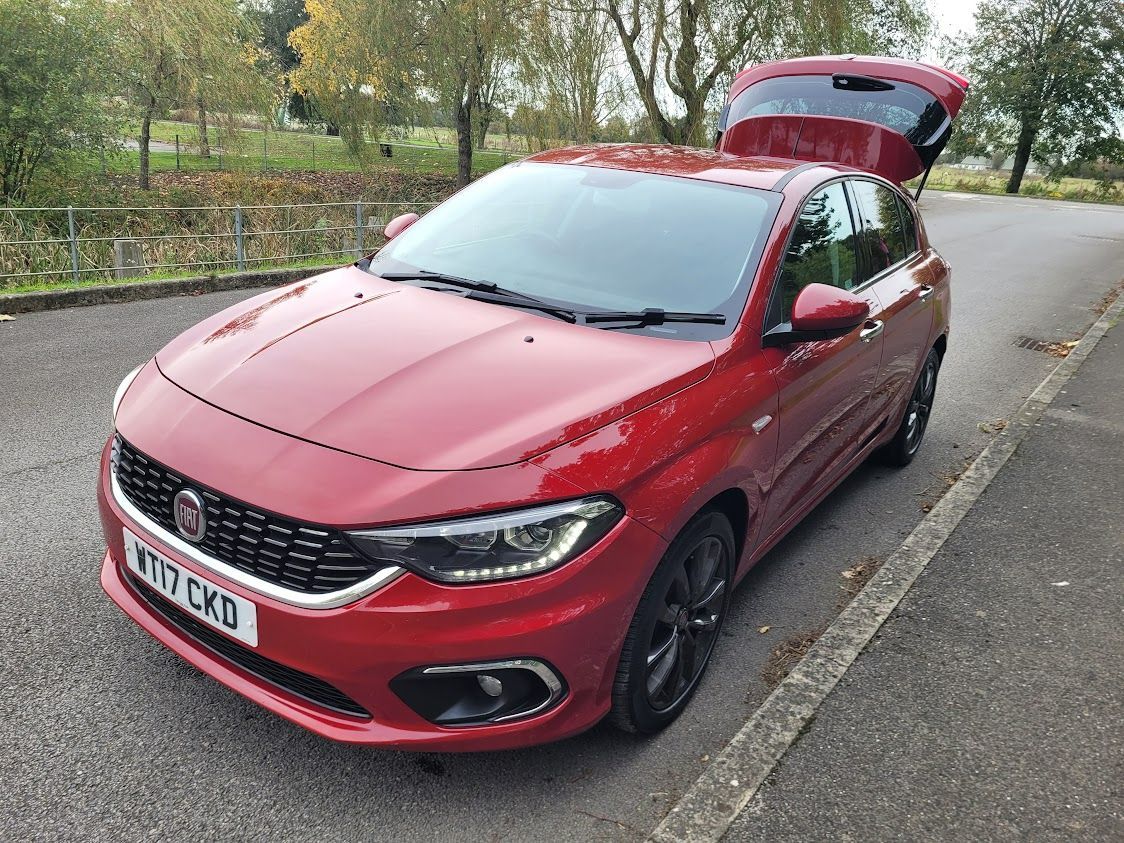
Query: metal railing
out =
(46, 245)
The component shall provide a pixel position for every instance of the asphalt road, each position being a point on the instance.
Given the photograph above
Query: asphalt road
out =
(107, 734)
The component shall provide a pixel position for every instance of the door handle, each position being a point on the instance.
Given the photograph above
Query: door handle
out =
(924, 292)
(873, 328)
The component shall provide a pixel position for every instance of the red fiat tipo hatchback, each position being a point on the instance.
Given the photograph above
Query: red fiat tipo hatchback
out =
(498, 480)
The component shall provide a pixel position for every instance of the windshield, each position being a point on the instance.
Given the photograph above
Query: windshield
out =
(598, 239)
(907, 109)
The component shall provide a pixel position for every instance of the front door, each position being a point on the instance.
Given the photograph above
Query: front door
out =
(823, 386)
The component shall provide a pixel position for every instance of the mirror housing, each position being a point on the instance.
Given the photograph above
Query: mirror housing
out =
(820, 312)
(399, 224)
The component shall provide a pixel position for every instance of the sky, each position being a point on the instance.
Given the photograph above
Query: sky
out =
(954, 15)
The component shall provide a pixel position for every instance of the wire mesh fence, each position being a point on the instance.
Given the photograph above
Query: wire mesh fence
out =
(44, 246)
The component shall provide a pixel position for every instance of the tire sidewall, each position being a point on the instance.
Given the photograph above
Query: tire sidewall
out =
(643, 716)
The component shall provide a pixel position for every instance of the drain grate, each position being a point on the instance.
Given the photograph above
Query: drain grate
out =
(1033, 344)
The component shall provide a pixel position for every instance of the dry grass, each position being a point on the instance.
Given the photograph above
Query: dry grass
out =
(789, 652)
(187, 234)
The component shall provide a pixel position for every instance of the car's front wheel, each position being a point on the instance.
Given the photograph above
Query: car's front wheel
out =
(903, 447)
(675, 627)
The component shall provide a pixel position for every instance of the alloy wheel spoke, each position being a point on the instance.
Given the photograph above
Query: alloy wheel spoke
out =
(715, 592)
(705, 558)
(662, 650)
(664, 669)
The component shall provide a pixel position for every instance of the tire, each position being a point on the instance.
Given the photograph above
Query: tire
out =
(901, 450)
(675, 627)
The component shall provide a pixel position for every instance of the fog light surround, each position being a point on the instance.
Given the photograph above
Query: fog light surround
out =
(480, 693)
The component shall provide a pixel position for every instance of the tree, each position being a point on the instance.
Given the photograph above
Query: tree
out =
(201, 51)
(568, 61)
(343, 66)
(53, 91)
(361, 58)
(1048, 78)
(690, 49)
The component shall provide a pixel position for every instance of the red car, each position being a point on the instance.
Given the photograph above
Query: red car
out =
(498, 480)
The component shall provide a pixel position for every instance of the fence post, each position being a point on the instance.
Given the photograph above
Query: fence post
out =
(314, 155)
(239, 249)
(73, 243)
(218, 143)
(359, 229)
(264, 150)
(177, 152)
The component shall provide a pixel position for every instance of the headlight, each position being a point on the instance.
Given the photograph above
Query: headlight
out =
(124, 387)
(494, 547)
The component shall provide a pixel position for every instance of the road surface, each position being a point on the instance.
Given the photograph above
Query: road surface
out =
(107, 734)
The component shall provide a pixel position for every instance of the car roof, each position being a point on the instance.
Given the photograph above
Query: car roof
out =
(763, 173)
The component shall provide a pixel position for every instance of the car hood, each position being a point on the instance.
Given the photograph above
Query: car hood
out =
(418, 378)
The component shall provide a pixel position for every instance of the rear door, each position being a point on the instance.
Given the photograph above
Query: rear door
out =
(898, 273)
(890, 116)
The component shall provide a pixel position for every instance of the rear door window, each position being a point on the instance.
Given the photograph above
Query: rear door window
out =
(882, 229)
(822, 250)
(909, 224)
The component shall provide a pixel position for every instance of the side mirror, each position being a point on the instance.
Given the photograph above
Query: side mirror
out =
(399, 224)
(820, 312)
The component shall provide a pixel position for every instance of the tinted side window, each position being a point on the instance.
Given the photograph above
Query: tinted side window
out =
(909, 224)
(822, 250)
(882, 225)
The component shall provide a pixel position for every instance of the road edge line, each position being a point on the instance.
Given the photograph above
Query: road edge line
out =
(716, 798)
(127, 291)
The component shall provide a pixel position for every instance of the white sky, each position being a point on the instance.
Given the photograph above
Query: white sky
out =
(954, 15)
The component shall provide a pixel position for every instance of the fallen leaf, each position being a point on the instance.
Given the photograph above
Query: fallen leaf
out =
(926, 507)
(1063, 582)
(705, 758)
(4, 317)
(849, 574)
(763, 629)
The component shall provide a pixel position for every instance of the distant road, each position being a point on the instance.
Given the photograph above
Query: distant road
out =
(107, 734)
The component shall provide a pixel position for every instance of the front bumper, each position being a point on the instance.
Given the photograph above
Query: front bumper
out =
(573, 618)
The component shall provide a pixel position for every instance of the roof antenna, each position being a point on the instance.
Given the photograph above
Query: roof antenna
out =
(921, 186)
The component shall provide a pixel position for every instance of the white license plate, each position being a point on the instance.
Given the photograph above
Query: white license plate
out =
(199, 597)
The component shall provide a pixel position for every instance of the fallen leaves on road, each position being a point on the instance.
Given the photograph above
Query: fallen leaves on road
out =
(763, 629)
(1062, 583)
(785, 655)
(4, 317)
(1061, 349)
(993, 427)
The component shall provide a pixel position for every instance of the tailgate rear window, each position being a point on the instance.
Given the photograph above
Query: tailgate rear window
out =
(907, 109)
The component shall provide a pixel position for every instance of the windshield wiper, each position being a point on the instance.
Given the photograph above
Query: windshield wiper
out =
(424, 275)
(654, 316)
(500, 296)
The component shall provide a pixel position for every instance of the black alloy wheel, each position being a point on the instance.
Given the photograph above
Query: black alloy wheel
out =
(675, 626)
(907, 441)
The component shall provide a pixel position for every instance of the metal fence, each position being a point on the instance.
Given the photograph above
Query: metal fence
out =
(46, 245)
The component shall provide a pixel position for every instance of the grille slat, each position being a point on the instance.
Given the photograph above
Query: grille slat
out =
(248, 539)
(301, 684)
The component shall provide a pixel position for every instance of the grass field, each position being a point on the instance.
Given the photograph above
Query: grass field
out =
(256, 149)
(995, 182)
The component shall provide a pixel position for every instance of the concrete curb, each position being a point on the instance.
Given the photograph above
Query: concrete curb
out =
(713, 802)
(113, 293)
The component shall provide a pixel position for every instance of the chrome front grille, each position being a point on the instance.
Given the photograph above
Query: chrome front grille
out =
(310, 558)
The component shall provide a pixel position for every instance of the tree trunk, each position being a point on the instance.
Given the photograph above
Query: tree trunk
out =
(1022, 155)
(464, 145)
(482, 129)
(201, 121)
(145, 137)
